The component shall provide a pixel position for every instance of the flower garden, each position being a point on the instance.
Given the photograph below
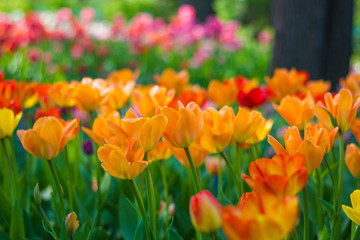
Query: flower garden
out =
(156, 129)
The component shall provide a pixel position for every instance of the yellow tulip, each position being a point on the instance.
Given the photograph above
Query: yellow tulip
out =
(8, 122)
(60, 94)
(354, 212)
(48, 136)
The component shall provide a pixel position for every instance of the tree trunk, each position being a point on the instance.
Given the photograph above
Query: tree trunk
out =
(313, 35)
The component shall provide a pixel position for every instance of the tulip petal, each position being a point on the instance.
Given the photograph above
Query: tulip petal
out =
(152, 131)
(278, 148)
(36, 145)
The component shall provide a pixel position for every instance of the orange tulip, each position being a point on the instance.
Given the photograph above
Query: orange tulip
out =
(355, 129)
(318, 89)
(282, 175)
(160, 152)
(198, 154)
(123, 76)
(117, 96)
(352, 159)
(173, 80)
(48, 136)
(122, 158)
(60, 94)
(146, 130)
(294, 144)
(89, 93)
(246, 124)
(342, 108)
(285, 82)
(184, 125)
(295, 111)
(321, 136)
(222, 93)
(352, 82)
(100, 129)
(260, 216)
(205, 212)
(218, 129)
(148, 98)
(260, 133)
(192, 93)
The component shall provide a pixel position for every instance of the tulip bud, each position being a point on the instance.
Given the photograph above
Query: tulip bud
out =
(213, 164)
(352, 159)
(205, 212)
(37, 195)
(71, 223)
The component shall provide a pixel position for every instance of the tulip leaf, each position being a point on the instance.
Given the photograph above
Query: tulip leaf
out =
(168, 229)
(104, 187)
(47, 230)
(328, 207)
(326, 171)
(4, 236)
(174, 235)
(333, 121)
(63, 232)
(127, 218)
(17, 230)
(140, 231)
(100, 234)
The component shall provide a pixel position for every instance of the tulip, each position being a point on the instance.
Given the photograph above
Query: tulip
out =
(295, 111)
(60, 94)
(192, 93)
(318, 89)
(352, 159)
(160, 152)
(123, 77)
(173, 80)
(254, 98)
(354, 212)
(147, 99)
(205, 212)
(286, 82)
(8, 122)
(260, 133)
(260, 216)
(218, 129)
(147, 130)
(214, 164)
(355, 129)
(184, 125)
(49, 112)
(122, 158)
(341, 108)
(282, 175)
(222, 93)
(45, 144)
(100, 129)
(117, 96)
(321, 136)
(352, 82)
(294, 144)
(71, 223)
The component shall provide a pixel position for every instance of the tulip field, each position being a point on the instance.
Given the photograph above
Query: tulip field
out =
(170, 130)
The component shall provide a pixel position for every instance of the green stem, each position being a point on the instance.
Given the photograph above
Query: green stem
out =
(193, 170)
(353, 230)
(232, 173)
(337, 219)
(166, 195)
(151, 198)
(14, 157)
(319, 196)
(220, 181)
(141, 207)
(331, 175)
(11, 172)
(306, 214)
(71, 184)
(239, 168)
(48, 222)
(58, 186)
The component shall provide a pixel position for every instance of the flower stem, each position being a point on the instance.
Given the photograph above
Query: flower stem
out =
(337, 219)
(193, 170)
(239, 168)
(58, 186)
(71, 185)
(306, 214)
(151, 198)
(166, 194)
(220, 181)
(141, 207)
(319, 196)
(11, 172)
(232, 173)
(47, 221)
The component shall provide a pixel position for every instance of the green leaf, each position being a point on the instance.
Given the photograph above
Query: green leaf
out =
(127, 218)
(140, 231)
(47, 230)
(17, 230)
(100, 234)
(324, 235)
(4, 236)
(329, 208)
(168, 229)
(174, 235)
(63, 232)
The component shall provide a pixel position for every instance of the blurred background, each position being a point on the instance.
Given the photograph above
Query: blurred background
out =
(52, 40)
